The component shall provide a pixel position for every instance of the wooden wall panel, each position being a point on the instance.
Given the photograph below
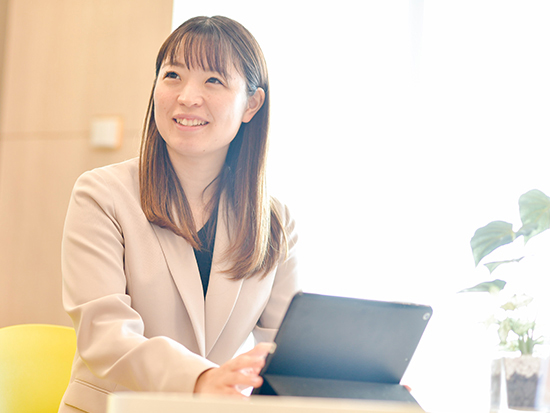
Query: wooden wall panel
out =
(66, 61)
(3, 24)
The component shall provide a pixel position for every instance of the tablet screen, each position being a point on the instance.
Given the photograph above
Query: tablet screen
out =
(341, 338)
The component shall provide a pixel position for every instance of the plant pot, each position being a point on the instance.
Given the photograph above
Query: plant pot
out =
(517, 378)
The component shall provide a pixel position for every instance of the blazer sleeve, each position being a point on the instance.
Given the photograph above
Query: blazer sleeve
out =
(110, 333)
(285, 284)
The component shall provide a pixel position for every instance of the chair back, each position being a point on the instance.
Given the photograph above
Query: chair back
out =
(35, 367)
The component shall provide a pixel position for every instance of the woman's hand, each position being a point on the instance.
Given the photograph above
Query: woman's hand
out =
(237, 374)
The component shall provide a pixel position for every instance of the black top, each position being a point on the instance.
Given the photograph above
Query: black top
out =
(204, 255)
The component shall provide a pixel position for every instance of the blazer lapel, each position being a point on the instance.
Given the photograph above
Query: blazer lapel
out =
(222, 291)
(182, 263)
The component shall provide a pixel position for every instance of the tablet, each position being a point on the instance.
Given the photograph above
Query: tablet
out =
(334, 346)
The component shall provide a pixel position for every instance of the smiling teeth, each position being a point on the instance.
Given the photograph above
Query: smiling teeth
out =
(191, 122)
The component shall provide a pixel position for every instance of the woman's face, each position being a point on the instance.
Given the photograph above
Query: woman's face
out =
(198, 112)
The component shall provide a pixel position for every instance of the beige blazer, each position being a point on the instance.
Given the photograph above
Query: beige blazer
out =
(135, 296)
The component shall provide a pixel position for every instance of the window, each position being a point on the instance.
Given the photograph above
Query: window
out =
(398, 128)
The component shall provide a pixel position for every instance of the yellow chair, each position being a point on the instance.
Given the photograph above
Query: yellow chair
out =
(35, 367)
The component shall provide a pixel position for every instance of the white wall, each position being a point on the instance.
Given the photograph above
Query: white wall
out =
(398, 129)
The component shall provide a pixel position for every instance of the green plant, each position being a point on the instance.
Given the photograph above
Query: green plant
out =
(515, 330)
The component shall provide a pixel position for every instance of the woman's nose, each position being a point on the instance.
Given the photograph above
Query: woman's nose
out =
(190, 95)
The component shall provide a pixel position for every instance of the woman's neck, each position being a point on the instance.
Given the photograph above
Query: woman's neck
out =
(197, 180)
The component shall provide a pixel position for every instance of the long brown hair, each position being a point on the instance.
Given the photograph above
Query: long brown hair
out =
(258, 239)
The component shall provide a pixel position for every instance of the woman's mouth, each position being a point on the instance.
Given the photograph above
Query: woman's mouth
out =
(190, 122)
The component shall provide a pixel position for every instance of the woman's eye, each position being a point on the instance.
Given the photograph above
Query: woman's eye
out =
(214, 80)
(171, 75)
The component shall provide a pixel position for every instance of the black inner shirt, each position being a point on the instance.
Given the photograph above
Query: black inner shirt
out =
(204, 255)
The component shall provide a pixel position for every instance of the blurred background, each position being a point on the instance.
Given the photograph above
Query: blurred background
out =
(398, 128)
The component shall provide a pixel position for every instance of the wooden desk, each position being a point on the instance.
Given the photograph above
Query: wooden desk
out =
(178, 403)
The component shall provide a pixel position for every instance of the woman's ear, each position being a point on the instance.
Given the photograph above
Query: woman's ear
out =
(255, 103)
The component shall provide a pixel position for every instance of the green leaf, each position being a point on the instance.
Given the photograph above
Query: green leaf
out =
(534, 210)
(521, 328)
(510, 345)
(503, 330)
(528, 230)
(490, 237)
(516, 302)
(492, 287)
(493, 265)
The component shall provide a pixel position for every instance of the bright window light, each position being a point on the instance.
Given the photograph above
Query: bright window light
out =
(398, 128)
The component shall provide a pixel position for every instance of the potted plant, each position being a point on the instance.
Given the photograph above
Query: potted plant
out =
(516, 330)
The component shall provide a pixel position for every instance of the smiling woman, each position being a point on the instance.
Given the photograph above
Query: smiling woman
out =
(189, 68)
(172, 260)
(198, 115)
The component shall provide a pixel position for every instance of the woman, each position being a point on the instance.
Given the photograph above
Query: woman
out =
(171, 260)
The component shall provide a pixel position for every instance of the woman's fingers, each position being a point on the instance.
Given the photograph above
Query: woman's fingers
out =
(237, 374)
(224, 380)
(263, 349)
(246, 362)
(253, 360)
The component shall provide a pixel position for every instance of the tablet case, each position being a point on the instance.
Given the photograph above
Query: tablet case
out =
(345, 348)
